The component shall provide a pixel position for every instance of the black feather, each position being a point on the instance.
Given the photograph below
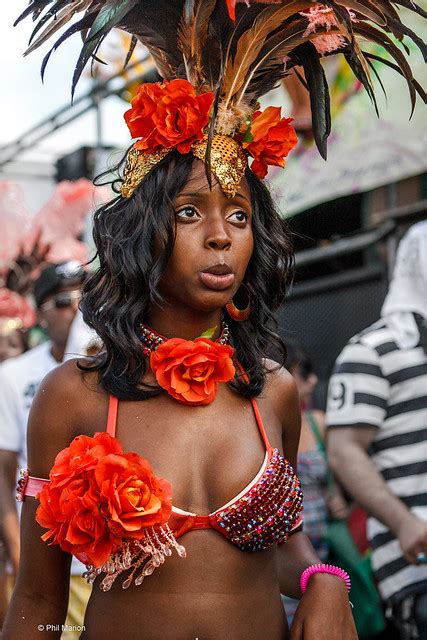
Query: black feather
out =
(381, 38)
(35, 7)
(412, 6)
(48, 16)
(84, 23)
(319, 95)
(360, 74)
(376, 74)
(133, 43)
(395, 67)
(108, 17)
(408, 32)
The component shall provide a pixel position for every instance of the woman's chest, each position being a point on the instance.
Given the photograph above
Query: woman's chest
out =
(208, 454)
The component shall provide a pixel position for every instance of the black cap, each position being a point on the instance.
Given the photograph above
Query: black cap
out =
(56, 276)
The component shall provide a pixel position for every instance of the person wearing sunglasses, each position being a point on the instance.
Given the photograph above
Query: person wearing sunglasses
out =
(56, 295)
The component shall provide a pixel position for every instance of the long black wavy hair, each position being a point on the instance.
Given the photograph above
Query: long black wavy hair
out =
(117, 296)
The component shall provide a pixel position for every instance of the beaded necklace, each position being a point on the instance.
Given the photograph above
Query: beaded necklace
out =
(151, 339)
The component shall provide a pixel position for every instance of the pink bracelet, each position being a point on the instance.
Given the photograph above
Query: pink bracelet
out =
(323, 568)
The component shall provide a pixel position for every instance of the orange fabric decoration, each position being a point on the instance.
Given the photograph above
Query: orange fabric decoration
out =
(190, 370)
(99, 496)
(273, 137)
(166, 115)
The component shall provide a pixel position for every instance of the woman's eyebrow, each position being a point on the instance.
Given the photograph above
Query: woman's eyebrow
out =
(199, 194)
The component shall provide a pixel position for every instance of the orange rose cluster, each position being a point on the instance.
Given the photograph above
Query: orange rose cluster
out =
(166, 115)
(169, 115)
(190, 370)
(273, 137)
(99, 496)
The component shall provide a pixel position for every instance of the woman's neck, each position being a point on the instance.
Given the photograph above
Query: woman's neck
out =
(172, 323)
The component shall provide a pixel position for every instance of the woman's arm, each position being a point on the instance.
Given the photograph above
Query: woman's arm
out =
(297, 553)
(40, 597)
(324, 612)
(9, 525)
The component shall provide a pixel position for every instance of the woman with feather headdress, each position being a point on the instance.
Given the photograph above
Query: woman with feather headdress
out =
(193, 262)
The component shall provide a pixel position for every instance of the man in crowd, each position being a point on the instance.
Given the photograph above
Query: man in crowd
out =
(57, 293)
(377, 435)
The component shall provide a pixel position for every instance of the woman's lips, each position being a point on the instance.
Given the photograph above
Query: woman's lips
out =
(218, 282)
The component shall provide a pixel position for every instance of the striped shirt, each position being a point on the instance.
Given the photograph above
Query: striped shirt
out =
(378, 384)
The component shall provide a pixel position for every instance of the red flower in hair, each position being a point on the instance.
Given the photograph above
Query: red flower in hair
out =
(168, 115)
(231, 6)
(190, 370)
(272, 139)
(97, 496)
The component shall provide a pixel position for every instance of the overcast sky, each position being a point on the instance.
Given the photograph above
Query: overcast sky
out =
(25, 100)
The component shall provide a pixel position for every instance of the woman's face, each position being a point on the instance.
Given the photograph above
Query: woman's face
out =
(11, 345)
(213, 245)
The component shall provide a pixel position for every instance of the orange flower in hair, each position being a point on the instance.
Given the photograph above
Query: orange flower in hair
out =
(231, 5)
(99, 496)
(272, 138)
(190, 370)
(166, 115)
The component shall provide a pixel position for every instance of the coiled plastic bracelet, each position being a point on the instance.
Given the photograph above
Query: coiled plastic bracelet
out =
(323, 568)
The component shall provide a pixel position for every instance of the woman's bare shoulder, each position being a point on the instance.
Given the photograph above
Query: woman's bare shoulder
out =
(67, 402)
(280, 385)
(70, 379)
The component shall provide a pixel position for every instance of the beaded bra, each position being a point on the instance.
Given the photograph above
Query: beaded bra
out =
(264, 513)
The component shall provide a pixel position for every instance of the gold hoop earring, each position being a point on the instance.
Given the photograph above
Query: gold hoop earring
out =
(240, 315)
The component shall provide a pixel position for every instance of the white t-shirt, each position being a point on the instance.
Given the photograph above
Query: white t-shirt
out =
(19, 380)
(81, 338)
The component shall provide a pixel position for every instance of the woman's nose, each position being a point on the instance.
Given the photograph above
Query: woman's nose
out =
(217, 236)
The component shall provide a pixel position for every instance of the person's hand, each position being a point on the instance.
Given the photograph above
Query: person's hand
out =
(338, 507)
(26, 267)
(324, 612)
(412, 535)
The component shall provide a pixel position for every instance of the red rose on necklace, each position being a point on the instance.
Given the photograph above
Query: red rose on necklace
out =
(190, 370)
(97, 496)
(272, 139)
(168, 115)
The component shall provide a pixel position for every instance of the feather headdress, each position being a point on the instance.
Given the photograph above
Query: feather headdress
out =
(238, 51)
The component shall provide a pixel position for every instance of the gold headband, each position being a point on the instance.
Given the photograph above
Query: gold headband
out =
(228, 163)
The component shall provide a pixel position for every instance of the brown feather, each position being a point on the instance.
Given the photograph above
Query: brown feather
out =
(192, 35)
(250, 44)
(57, 23)
(367, 9)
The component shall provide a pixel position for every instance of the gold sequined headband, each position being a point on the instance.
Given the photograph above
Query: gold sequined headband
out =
(228, 163)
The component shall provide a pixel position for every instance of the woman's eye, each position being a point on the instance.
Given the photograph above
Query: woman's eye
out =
(238, 216)
(187, 213)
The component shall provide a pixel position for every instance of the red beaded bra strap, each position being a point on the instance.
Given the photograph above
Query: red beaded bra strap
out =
(257, 414)
(113, 406)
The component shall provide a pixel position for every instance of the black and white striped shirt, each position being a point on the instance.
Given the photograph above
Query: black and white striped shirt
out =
(378, 384)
